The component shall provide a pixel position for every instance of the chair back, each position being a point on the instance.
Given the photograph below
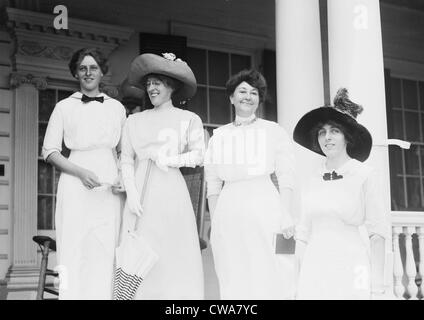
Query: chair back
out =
(196, 184)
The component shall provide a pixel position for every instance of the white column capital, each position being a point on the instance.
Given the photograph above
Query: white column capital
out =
(18, 79)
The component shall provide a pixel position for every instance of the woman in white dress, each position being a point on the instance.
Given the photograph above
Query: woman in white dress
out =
(87, 212)
(172, 138)
(342, 196)
(248, 210)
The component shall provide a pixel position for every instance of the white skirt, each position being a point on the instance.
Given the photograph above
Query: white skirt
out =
(168, 225)
(87, 226)
(336, 264)
(247, 215)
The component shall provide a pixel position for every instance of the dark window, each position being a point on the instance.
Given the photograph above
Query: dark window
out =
(212, 70)
(405, 111)
(48, 176)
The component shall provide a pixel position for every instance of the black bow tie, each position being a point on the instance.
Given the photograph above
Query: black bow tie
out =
(86, 99)
(331, 176)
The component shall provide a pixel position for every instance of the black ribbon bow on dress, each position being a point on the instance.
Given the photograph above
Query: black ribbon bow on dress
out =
(86, 99)
(331, 176)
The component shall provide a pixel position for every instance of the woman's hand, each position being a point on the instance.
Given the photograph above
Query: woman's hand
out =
(118, 186)
(288, 232)
(159, 160)
(161, 164)
(89, 179)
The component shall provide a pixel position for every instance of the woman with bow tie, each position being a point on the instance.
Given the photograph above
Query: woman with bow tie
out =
(342, 196)
(87, 211)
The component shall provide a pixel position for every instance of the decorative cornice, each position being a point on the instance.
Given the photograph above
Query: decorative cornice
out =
(35, 49)
(17, 79)
(44, 51)
(43, 23)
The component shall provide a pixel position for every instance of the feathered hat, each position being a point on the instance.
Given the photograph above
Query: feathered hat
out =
(344, 111)
(168, 65)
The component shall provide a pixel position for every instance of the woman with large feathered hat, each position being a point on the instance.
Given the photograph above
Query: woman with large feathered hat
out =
(171, 138)
(342, 196)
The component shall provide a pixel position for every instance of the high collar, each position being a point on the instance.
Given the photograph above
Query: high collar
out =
(345, 167)
(243, 121)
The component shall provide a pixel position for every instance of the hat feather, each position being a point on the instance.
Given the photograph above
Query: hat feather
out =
(344, 104)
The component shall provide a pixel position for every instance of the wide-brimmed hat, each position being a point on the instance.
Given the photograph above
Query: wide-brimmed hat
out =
(344, 112)
(168, 65)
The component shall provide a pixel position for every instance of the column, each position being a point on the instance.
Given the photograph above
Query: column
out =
(300, 85)
(356, 62)
(25, 114)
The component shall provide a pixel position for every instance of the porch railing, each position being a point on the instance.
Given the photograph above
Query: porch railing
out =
(408, 254)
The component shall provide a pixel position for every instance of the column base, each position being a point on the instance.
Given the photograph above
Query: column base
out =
(20, 283)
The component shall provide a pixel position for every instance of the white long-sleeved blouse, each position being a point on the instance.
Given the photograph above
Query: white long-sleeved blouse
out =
(354, 199)
(84, 126)
(249, 151)
(164, 132)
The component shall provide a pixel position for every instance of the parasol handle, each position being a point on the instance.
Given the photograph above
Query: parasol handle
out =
(143, 191)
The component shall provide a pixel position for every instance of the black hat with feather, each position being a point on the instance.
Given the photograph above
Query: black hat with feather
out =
(344, 112)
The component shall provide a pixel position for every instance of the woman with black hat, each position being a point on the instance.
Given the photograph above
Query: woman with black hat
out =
(342, 196)
(171, 138)
(87, 212)
(247, 211)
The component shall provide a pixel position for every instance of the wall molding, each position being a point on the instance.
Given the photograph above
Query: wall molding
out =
(407, 218)
(205, 36)
(78, 28)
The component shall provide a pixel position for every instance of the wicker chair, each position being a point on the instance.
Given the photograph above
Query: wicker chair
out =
(196, 184)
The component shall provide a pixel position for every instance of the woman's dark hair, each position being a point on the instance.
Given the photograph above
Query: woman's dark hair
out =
(79, 55)
(173, 83)
(347, 135)
(252, 77)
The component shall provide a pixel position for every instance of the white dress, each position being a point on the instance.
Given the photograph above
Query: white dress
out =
(168, 221)
(87, 221)
(336, 263)
(248, 211)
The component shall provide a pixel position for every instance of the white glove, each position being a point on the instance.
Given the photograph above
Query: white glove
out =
(161, 163)
(287, 225)
(133, 200)
(133, 197)
(177, 161)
